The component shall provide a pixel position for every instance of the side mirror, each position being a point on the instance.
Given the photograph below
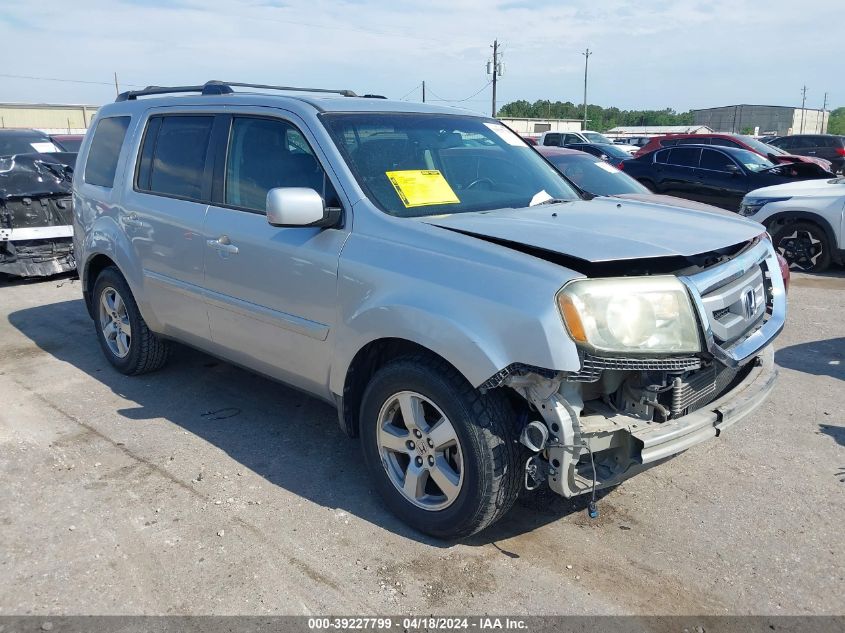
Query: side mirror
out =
(299, 206)
(733, 169)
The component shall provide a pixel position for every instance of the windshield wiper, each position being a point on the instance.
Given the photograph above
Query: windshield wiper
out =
(549, 201)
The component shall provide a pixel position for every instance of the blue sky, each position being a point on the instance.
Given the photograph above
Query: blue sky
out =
(647, 53)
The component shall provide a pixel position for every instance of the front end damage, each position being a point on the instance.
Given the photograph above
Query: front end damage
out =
(619, 415)
(36, 231)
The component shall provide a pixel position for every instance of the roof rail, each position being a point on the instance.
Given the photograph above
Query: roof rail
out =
(215, 87)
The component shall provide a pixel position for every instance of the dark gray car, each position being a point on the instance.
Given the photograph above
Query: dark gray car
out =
(828, 146)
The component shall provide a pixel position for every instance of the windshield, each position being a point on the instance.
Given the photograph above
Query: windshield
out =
(751, 160)
(429, 164)
(25, 144)
(759, 146)
(595, 137)
(613, 151)
(595, 176)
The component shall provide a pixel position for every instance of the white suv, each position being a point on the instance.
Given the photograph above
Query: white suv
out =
(806, 220)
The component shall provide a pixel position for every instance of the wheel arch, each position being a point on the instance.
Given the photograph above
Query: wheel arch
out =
(783, 218)
(91, 270)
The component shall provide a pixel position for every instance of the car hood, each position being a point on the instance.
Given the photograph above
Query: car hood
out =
(830, 187)
(672, 201)
(605, 229)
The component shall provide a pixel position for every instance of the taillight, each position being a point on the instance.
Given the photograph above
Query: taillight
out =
(840, 151)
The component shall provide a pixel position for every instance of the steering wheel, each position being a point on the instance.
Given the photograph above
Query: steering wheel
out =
(479, 181)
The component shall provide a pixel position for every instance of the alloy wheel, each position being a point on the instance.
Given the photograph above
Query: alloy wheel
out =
(420, 450)
(114, 322)
(800, 249)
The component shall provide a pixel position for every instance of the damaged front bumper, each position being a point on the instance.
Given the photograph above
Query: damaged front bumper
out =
(620, 446)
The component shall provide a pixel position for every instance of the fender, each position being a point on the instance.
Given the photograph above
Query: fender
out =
(478, 349)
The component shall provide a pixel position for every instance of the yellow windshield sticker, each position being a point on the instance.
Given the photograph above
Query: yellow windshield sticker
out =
(421, 187)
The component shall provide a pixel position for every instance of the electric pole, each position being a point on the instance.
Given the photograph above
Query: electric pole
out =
(824, 107)
(803, 102)
(586, 55)
(116, 87)
(423, 87)
(495, 68)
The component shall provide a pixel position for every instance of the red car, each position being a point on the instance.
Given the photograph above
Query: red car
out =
(741, 141)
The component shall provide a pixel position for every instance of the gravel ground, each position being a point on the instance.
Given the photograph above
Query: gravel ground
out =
(203, 489)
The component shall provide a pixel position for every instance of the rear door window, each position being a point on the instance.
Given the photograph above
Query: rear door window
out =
(173, 156)
(684, 156)
(551, 139)
(105, 150)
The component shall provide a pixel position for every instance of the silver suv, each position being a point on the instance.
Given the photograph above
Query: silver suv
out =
(480, 323)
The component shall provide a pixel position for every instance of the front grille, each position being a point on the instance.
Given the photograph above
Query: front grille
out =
(593, 366)
(735, 307)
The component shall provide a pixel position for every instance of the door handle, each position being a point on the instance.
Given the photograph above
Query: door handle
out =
(223, 245)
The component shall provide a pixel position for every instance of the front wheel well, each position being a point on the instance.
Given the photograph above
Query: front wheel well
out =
(780, 220)
(366, 362)
(375, 355)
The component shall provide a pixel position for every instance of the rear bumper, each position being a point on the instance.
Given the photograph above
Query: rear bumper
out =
(658, 441)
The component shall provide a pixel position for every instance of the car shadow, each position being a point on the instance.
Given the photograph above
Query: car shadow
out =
(287, 437)
(819, 358)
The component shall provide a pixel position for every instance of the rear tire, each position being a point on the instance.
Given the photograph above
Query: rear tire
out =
(126, 341)
(804, 246)
(482, 459)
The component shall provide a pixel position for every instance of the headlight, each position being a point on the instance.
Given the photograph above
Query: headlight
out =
(750, 206)
(640, 315)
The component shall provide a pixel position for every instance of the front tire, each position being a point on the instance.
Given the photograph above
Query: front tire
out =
(126, 341)
(442, 455)
(804, 246)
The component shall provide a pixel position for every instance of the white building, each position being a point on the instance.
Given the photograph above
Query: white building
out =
(538, 126)
(626, 131)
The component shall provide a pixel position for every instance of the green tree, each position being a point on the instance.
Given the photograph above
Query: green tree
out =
(836, 122)
(599, 118)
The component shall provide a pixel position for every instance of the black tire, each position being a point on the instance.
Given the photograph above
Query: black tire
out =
(483, 424)
(147, 352)
(804, 245)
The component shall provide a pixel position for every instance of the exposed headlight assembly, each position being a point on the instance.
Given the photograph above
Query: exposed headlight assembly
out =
(641, 315)
(750, 206)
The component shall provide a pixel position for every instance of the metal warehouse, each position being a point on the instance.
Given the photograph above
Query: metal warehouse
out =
(49, 117)
(763, 119)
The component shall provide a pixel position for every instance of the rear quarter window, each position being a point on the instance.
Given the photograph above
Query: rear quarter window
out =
(105, 150)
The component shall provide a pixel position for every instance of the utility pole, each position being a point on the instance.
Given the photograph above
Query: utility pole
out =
(824, 107)
(423, 90)
(495, 68)
(116, 87)
(803, 102)
(586, 55)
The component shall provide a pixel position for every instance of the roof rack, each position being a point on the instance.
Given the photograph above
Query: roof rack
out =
(215, 87)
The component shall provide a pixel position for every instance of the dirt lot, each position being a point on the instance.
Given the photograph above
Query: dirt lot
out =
(205, 489)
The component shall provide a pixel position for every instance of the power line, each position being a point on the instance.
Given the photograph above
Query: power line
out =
(402, 98)
(69, 81)
(474, 94)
